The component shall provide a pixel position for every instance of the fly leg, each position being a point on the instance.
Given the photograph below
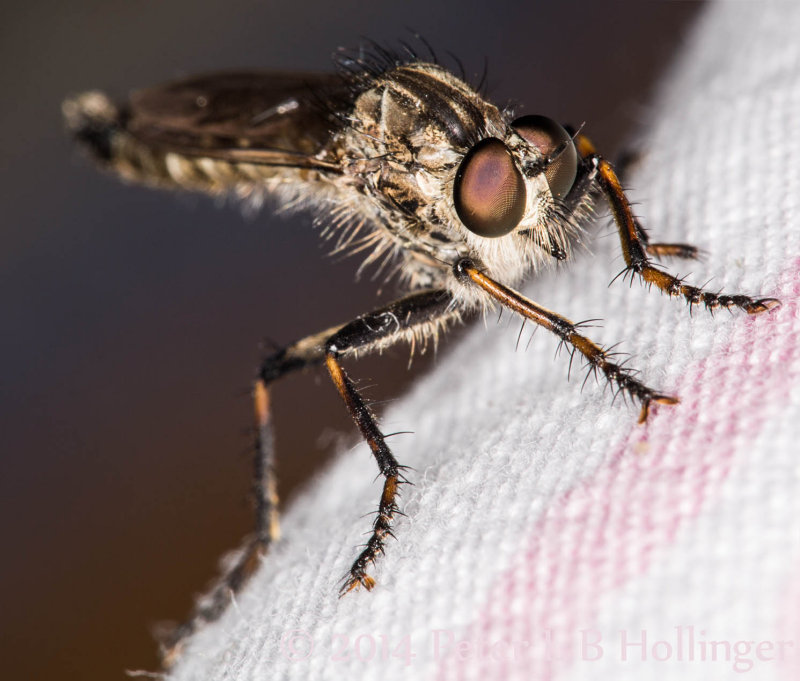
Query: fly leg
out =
(209, 608)
(636, 247)
(599, 359)
(587, 181)
(416, 318)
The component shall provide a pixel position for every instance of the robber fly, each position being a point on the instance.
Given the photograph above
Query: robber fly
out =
(400, 160)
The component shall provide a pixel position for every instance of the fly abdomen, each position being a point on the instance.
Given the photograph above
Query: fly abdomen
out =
(100, 127)
(94, 121)
(104, 131)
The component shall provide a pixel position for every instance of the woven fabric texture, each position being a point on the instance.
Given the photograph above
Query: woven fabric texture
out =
(547, 535)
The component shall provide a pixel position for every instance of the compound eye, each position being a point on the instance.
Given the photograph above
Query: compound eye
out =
(489, 192)
(550, 138)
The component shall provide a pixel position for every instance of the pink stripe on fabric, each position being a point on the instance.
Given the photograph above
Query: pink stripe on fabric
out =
(602, 533)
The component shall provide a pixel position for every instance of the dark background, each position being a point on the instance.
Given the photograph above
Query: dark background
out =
(131, 318)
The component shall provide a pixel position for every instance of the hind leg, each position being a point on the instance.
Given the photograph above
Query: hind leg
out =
(416, 317)
(211, 606)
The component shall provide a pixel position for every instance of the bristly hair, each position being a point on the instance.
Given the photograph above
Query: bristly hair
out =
(370, 60)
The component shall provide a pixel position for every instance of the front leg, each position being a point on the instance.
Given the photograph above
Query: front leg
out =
(635, 246)
(599, 360)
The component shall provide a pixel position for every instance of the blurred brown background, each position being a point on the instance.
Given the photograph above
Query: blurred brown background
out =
(131, 319)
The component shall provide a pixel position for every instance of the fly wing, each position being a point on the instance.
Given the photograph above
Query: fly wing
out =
(267, 118)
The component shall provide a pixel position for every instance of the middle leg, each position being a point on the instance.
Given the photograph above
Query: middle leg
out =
(417, 318)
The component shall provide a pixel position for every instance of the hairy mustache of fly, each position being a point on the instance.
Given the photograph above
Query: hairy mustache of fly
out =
(405, 163)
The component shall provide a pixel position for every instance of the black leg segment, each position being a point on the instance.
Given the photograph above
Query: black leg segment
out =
(635, 246)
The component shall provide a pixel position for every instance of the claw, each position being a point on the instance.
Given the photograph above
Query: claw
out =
(763, 305)
(661, 399)
(356, 581)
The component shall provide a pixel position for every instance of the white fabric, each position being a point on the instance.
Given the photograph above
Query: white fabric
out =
(540, 509)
